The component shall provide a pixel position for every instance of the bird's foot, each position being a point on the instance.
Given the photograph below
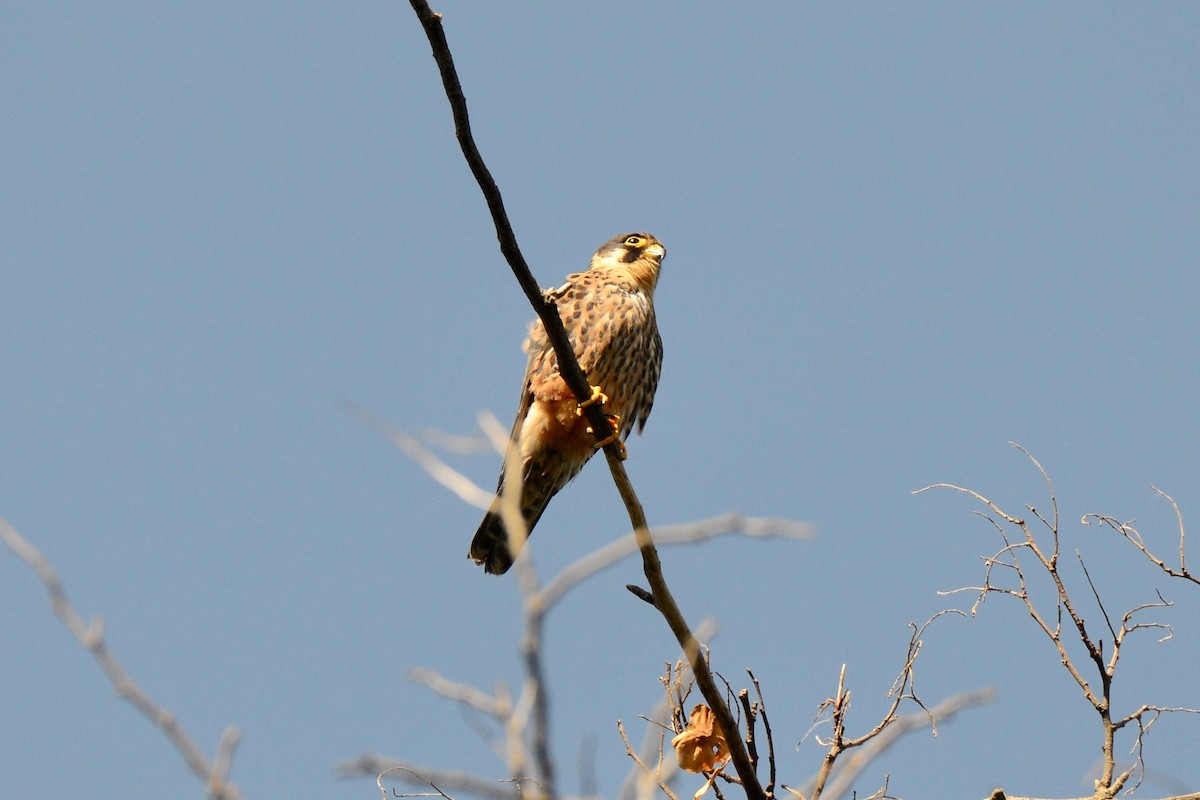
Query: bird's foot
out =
(597, 397)
(554, 295)
(615, 436)
(613, 419)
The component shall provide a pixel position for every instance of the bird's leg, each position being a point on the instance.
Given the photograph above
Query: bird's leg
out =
(613, 419)
(615, 436)
(597, 397)
(554, 295)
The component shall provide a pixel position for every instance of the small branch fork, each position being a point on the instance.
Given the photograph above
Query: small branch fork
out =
(668, 717)
(575, 379)
(838, 707)
(1132, 536)
(755, 710)
(1008, 560)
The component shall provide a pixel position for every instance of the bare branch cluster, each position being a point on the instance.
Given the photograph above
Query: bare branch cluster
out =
(836, 775)
(1035, 548)
(504, 719)
(522, 723)
(654, 768)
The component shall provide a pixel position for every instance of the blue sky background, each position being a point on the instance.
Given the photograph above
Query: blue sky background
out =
(900, 236)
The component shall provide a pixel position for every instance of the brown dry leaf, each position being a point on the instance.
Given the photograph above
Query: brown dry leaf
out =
(702, 743)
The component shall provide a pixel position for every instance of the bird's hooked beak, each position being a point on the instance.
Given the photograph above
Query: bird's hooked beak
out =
(656, 250)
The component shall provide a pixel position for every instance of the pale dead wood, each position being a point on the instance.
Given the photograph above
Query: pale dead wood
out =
(999, 794)
(848, 771)
(1065, 616)
(436, 468)
(653, 777)
(215, 773)
(1134, 537)
(373, 766)
(467, 695)
(682, 533)
(837, 709)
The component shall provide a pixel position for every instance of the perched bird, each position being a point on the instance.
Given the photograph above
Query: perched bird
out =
(608, 312)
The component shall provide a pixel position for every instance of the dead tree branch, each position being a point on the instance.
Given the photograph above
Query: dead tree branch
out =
(654, 776)
(373, 766)
(838, 707)
(683, 533)
(667, 717)
(1066, 614)
(999, 794)
(215, 773)
(842, 780)
(577, 382)
(1132, 536)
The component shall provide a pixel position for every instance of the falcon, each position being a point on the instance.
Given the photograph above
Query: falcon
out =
(608, 313)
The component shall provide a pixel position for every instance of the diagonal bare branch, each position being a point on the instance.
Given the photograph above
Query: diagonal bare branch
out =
(439, 470)
(688, 532)
(462, 693)
(215, 774)
(573, 375)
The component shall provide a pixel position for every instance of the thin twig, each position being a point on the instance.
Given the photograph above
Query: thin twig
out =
(415, 777)
(373, 766)
(465, 694)
(91, 636)
(840, 782)
(1096, 595)
(652, 774)
(762, 710)
(1132, 535)
(437, 469)
(683, 533)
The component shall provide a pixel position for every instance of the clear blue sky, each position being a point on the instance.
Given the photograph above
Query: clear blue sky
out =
(900, 236)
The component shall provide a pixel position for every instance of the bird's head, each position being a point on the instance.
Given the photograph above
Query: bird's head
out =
(638, 253)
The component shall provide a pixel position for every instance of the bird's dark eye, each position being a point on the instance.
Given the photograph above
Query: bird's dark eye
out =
(633, 241)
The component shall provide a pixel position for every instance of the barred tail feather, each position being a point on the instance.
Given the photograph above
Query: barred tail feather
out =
(491, 546)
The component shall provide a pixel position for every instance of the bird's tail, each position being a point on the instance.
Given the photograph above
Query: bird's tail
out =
(492, 546)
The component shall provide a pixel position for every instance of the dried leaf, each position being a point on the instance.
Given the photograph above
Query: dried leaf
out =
(702, 743)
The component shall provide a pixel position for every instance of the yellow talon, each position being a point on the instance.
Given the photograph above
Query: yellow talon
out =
(597, 397)
(615, 436)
